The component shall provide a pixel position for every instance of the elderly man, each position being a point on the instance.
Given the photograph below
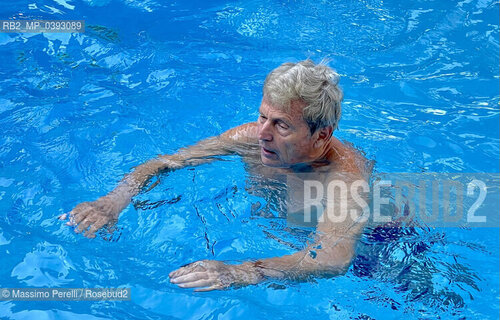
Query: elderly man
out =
(300, 109)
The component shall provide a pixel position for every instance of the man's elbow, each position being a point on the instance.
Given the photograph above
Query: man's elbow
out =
(336, 263)
(335, 269)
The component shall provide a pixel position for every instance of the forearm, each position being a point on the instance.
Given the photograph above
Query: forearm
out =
(106, 209)
(201, 153)
(303, 264)
(133, 182)
(297, 266)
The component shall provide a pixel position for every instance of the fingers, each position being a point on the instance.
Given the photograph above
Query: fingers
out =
(187, 269)
(71, 221)
(76, 215)
(79, 218)
(81, 214)
(192, 277)
(200, 280)
(214, 287)
(84, 225)
(69, 215)
(180, 272)
(85, 215)
(174, 273)
(198, 284)
(94, 227)
(204, 275)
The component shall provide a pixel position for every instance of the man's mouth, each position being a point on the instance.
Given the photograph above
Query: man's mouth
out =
(267, 151)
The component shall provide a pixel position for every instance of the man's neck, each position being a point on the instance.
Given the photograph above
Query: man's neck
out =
(323, 157)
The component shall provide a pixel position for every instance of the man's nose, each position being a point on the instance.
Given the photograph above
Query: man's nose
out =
(265, 132)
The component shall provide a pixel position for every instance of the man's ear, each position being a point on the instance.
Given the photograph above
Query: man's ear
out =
(323, 136)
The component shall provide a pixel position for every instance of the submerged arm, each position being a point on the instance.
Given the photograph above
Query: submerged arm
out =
(329, 255)
(106, 209)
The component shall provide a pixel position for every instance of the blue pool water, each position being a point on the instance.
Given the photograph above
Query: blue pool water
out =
(77, 111)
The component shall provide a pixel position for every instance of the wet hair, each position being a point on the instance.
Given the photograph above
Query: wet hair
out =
(314, 84)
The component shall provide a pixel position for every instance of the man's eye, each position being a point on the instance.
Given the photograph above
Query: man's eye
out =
(261, 117)
(282, 125)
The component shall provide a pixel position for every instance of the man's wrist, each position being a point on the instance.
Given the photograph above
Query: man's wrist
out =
(170, 162)
(264, 271)
(253, 274)
(118, 198)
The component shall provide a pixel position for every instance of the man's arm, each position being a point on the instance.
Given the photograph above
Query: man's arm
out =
(329, 255)
(107, 209)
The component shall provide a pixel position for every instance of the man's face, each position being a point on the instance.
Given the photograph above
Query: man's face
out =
(284, 138)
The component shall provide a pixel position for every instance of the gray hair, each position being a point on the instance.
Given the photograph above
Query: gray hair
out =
(314, 84)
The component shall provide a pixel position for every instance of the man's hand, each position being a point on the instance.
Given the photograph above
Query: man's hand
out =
(94, 214)
(207, 275)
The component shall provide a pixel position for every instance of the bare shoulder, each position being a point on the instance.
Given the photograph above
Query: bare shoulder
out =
(245, 133)
(349, 158)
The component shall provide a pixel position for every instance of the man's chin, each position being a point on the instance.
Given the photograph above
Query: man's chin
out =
(271, 163)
